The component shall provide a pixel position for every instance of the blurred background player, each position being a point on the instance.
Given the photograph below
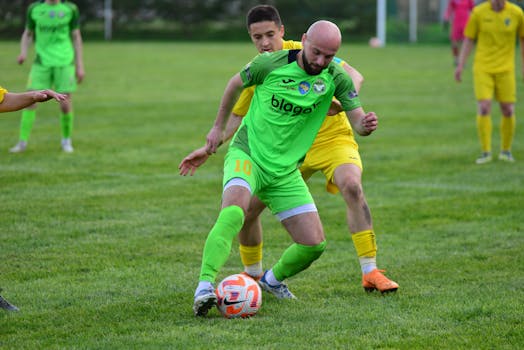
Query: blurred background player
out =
(494, 25)
(10, 101)
(457, 12)
(54, 25)
(334, 152)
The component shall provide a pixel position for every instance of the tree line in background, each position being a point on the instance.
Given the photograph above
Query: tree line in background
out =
(197, 20)
(225, 19)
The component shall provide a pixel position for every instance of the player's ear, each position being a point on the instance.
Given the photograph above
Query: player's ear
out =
(282, 31)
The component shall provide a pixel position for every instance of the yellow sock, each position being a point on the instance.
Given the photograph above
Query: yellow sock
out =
(365, 243)
(484, 129)
(366, 246)
(507, 131)
(251, 255)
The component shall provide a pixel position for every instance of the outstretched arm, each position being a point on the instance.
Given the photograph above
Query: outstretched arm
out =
(214, 137)
(16, 101)
(199, 156)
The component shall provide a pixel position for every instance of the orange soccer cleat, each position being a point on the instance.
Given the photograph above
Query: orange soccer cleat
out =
(375, 280)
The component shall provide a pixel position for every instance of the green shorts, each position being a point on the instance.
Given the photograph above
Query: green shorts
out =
(61, 79)
(278, 193)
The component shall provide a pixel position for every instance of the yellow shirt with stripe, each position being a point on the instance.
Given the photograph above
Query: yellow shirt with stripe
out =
(2, 93)
(335, 125)
(495, 34)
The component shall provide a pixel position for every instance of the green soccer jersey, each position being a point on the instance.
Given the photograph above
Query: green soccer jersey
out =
(52, 25)
(288, 108)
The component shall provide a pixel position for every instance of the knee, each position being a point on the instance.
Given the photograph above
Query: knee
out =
(352, 189)
(507, 109)
(484, 107)
(317, 250)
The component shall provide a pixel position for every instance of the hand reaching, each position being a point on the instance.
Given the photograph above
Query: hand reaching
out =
(193, 160)
(46, 95)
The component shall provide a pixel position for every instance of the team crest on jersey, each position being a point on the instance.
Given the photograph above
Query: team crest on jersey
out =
(319, 87)
(61, 14)
(52, 14)
(304, 87)
(507, 21)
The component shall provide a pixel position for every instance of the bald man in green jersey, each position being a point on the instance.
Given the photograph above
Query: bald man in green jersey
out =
(54, 25)
(293, 95)
(334, 152)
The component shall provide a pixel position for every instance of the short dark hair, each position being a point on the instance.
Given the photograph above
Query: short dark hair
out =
(263, 13)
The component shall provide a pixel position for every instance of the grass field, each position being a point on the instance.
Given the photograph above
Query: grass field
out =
(101, 249)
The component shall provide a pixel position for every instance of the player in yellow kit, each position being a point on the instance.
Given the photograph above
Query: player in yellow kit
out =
(494, 26)
(334, 152)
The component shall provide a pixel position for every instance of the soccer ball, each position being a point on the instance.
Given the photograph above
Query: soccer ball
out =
(238, 296)
(375, 42)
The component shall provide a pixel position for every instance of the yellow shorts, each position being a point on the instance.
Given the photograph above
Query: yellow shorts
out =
(501, 85)
(328, 156)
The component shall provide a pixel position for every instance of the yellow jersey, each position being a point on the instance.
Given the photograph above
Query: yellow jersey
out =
(495, 33)
(2, 93)
(332, 126)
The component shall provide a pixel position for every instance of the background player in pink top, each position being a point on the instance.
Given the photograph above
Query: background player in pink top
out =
(457, 13)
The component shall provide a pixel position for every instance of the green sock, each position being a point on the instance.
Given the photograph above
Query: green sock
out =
(66, 121)
(219, 240)
(297, 258)
(26, 124)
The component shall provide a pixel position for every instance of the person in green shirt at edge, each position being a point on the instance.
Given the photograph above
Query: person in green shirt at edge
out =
(54, 26)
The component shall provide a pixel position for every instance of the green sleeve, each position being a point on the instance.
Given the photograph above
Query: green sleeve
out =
(75, 20)
(345, 91)
(30, 23)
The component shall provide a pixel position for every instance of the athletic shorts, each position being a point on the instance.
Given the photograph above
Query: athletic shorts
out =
(457, 31)
(277, 193)
(60, 79)
(327, 156)
(501, 85)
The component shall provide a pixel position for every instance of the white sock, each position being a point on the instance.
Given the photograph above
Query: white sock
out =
(270, 278)
(203, 285)
(368, 264)
(254, 270)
